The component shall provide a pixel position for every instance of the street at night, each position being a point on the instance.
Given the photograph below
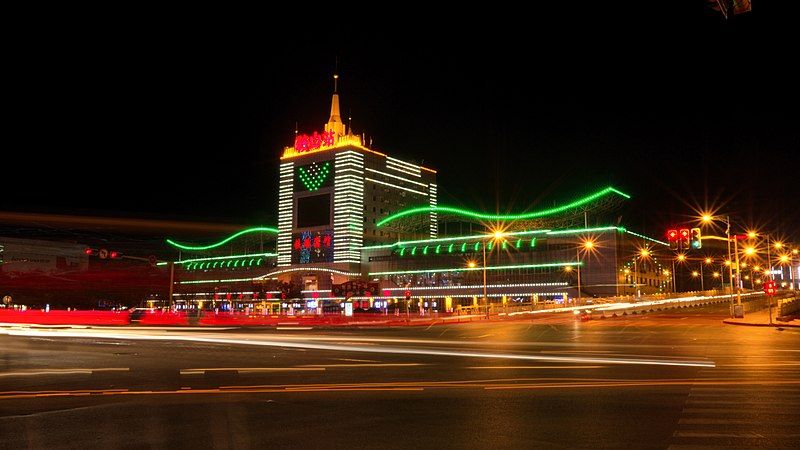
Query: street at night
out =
(559, 226)
(666, 379)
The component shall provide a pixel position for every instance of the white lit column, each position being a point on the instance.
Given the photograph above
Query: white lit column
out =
(434, 216)
(348, 207)
(285, 213)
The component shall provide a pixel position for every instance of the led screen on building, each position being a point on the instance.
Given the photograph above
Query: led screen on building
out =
(315, 176)
(314, 211)
(312, 247)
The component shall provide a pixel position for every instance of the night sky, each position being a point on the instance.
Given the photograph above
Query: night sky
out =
(181, 118)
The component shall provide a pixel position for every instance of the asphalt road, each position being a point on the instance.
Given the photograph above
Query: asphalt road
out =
(666, 380)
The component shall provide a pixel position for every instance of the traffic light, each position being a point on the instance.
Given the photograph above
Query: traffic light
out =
(672, 237)
(408, 295)
(697, 244)
(90, 251)
(114, 255)
(685, 238)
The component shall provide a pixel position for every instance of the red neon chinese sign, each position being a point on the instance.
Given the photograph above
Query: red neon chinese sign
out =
(305, 143)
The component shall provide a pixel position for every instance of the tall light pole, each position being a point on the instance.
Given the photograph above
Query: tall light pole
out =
(496, 236)
(708, 218)
(485, 295)
(587, 245)
(681, 259)
(644, 253)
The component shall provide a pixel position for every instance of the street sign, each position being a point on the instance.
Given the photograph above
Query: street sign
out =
(7, 299)
(103, 253)
(770, 288)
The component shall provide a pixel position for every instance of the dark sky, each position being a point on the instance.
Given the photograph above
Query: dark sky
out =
(185, 116)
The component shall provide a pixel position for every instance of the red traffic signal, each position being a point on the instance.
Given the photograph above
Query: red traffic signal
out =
(684, 233)
(672, 235)
(114, 255)
(408, 295)
(90, 251)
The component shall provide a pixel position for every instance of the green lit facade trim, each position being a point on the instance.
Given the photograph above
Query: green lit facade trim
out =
(222, 242)
(505, 217)
(472, 269)
(587, 230)
(488, 240)
(455, 238)
(648, 238)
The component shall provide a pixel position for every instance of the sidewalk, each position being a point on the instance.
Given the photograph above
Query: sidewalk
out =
(761, 319)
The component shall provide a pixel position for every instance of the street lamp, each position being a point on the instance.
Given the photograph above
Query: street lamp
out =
(496, 236)
(643, 253)
(681, 258)
(587, 245)
(707, 218)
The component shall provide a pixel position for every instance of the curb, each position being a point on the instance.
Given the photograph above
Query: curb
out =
(777, 325)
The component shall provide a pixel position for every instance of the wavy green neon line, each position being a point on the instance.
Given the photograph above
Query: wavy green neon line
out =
(222, 242)
(502, 217)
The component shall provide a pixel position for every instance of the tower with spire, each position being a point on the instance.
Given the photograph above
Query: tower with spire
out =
(332, 192)
(335, 123)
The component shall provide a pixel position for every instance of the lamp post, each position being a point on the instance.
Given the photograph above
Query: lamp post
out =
(587, 245)
(496, 236)
(681, 259)
(643, 253)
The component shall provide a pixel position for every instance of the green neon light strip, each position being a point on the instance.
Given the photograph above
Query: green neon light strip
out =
(470, 269)
(648, 238)
(587, 230)
(222, 242)
(503, 217)
(218, 258)
(479, 237)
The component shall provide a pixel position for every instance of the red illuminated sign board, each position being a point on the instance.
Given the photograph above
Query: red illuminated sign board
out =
(305, 142)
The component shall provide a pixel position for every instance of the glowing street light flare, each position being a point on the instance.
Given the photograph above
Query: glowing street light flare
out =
(752, 234)
(778, 245)
(681, 257)
(644, 253)
(472, 264)
(568, 269)
(707, 218)
(716, 274)
(784, 258)
(728, 263)
(695, 273)
(708, 260)
(749, 251)
(588, 244)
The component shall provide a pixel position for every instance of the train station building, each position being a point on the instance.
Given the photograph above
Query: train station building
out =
(359, 228)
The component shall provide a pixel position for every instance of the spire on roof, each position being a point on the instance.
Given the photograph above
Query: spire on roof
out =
(335, 123)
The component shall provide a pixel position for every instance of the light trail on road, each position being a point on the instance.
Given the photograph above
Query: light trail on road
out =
(267, 341)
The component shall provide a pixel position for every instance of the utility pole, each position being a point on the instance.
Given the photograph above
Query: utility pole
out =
(769, 267)
(485, 296)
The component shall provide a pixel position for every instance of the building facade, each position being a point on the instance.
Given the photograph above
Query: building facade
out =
(356, 225)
